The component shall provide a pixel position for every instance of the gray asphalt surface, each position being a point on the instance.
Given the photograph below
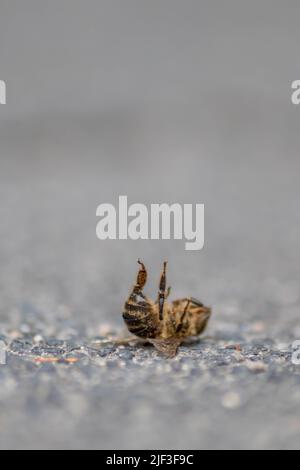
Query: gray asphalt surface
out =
(61, 289)
(183, 102)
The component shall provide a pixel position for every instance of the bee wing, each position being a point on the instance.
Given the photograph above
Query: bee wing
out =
(169, 346)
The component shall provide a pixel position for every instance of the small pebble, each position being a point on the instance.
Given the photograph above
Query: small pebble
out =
(231, 401)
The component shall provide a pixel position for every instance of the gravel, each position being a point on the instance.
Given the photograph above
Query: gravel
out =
(95, 393)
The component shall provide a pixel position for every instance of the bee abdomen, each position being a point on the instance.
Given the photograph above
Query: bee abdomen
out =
(141, 307)
(139, 320)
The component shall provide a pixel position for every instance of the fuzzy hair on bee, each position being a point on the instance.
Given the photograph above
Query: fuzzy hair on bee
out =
(164, 324)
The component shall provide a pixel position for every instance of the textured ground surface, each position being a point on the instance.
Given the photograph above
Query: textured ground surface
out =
(79, 394)
(236, 388)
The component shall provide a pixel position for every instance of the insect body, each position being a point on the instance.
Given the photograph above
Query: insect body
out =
(164, 324)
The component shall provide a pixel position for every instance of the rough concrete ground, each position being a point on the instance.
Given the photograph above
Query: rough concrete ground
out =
(85, 394)
(62, 291)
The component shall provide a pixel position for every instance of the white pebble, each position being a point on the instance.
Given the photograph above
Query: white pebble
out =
(231, 400)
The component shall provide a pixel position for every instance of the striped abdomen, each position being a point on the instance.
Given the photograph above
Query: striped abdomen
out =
(139, 315)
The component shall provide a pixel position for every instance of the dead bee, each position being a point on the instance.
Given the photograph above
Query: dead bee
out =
(163, 324)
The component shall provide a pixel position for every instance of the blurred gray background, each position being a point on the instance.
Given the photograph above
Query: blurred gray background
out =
(164, 101)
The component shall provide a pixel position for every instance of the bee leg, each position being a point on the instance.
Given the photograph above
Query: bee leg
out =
(180, 324)
(167, 294)
(141, 280)
(138, 313)
(200, 315)
(162, 291)
(141, 277)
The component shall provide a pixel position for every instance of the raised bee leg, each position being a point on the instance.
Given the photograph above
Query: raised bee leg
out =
(162, 293)
(166, 296)
(141, 277)
(139, 314)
